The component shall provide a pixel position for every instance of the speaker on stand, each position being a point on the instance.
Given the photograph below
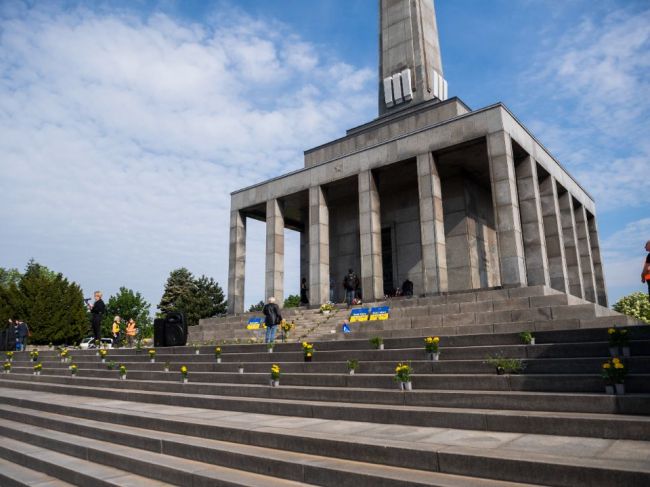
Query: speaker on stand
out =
(175, 330)
(159, 332)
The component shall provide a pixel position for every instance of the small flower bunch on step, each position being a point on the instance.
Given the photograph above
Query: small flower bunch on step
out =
(7, 367)
(37, 369)
(527, 338)
(34, 355)
(102, 353)
(353, 365)
(288, 326)
(184, 372)
(217, 352)
(275, 372)
(152, 355)
(307, 350)
(431, 344)
(64, 355)
(327, 308)
(10, 356)
(618, 342)
(122, 371)
(377, 343)
(403, 372)
(614, 371)
(73, 369)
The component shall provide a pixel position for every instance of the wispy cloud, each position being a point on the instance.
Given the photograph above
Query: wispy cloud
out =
(121, 136)
(594, 83)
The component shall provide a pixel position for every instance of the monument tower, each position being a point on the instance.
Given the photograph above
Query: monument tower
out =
(451, 198)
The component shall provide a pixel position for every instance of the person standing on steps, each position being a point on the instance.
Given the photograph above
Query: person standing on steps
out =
(304, 300)
(272, 319)
(350, 283)
(645, 273)
(97, 310)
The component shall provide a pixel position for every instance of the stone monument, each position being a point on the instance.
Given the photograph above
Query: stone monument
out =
(451, 198)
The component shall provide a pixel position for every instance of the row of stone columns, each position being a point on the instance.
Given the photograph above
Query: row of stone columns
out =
(544, 236)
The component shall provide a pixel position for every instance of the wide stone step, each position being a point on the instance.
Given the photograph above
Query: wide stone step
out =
(290, 465)
(514, 411)
(565, 382)
(199, 433)
(15, 475)
(533, 366)
(75, 470)
(158, 468)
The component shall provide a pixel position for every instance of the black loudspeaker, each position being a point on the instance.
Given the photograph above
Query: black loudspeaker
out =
(8, 339)
(159, 332)
(175, 330)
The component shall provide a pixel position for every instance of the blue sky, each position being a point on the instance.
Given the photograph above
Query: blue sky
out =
(124, 125)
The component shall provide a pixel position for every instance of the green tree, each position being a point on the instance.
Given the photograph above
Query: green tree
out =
(9, 276)
(196, 298)
(292, 301)
(51, 306)
(636, 305)
(128, 304)
(256, 307)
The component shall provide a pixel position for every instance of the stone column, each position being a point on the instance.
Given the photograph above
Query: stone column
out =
(274, 252)
(319, 247)
(372, 274)
(532, 225)
(571, 245)
(506, 209)
(304, 255)
(601, 291)
(584, 251)
(236, 262)
(557, 269)
(432, 226)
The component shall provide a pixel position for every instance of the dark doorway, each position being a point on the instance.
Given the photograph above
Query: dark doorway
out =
(387, 260)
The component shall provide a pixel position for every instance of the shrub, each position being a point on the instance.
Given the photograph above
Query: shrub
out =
(635, 305)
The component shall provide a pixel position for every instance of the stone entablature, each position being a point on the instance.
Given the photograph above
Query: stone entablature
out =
(403, 145)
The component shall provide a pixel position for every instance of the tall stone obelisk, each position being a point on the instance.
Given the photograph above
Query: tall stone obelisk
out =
(410, 67)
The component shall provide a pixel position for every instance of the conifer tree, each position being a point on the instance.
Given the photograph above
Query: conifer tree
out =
(196, 298)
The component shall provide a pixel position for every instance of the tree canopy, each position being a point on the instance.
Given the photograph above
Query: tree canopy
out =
(51, 306)
(128, 304)
(195, 297)
(636, 305)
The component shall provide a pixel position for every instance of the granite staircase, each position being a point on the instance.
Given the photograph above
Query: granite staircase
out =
(534, 308)
(461, 425)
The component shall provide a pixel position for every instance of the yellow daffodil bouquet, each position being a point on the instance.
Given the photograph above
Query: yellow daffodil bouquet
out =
(618, 337)
(275, 372)
(614, 371)
(287, 326)
(431, 344)
(73, 369)
(217, 352)
(403, 372)
(34, 355)
(103, 352)
(184, 371)
(308, 349)
(64, 354)
(10, 356)
(122, 369)
(38, 367)
(152, 353)
(7, 366)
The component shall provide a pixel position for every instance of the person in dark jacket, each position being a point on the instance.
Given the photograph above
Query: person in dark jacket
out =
(97, 310)
(272, 319)
(304, 300)
(350, 283)
(22, 332)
